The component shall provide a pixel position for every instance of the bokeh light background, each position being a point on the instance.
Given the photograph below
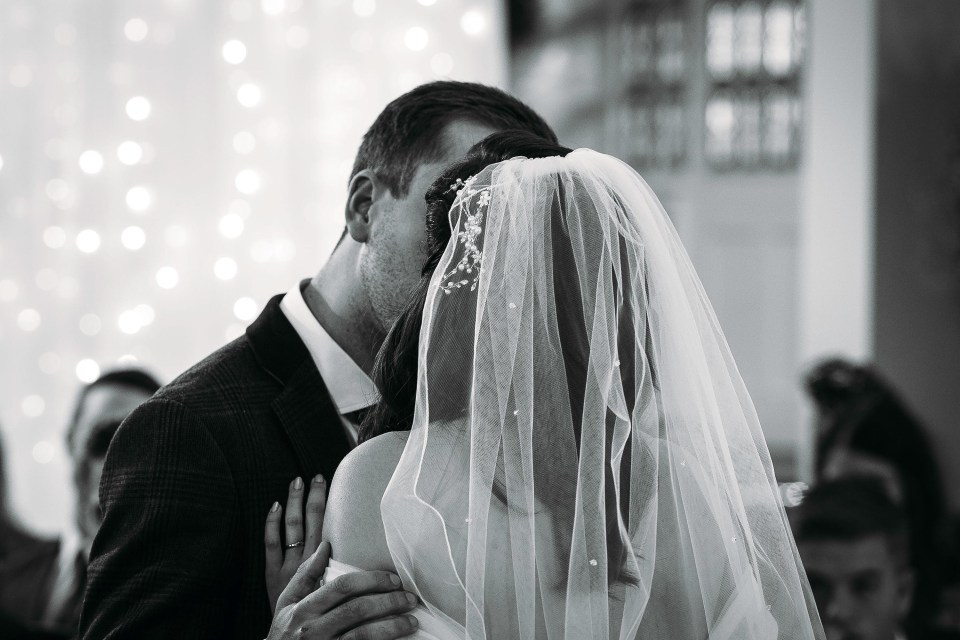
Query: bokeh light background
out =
(168, 165)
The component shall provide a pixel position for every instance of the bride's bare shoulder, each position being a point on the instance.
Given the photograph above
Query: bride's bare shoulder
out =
(352, 522)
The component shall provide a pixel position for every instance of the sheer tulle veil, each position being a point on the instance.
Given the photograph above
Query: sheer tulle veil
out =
(585, 461)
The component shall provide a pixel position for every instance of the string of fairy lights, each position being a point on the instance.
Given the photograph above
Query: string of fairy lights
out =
(165, 168)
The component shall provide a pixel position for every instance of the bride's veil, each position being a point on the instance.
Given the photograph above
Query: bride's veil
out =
(585, 461)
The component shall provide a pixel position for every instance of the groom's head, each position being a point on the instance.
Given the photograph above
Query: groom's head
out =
(410, 143)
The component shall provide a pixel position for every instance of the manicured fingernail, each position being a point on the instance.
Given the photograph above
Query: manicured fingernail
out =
(412, 599)
(275, 507)
(413, 621)
(298, 484)
(395, 580)
(318, 479)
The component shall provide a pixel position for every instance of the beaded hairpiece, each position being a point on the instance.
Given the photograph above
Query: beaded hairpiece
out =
(453, 190)
(472, 260)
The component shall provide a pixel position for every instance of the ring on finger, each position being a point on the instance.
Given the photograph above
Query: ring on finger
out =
(294, 545)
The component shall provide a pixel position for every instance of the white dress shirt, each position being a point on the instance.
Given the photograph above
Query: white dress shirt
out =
(349, 387)
(66, 582)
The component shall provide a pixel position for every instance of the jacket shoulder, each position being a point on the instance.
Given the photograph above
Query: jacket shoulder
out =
(230, 377)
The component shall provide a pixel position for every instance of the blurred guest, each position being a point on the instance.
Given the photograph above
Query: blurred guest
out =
(50, 586)
(865, 429)
(854, 543)
(101, 407)
(20, 583)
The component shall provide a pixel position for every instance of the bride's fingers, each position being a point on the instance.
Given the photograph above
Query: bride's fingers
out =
(308, 576)
(293, 522)
(316, 505)
(271, 539)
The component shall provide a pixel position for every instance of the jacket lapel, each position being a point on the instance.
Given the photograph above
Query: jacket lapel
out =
(312, 422)
(304, 407)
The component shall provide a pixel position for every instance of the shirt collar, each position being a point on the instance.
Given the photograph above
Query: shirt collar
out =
(350, 388)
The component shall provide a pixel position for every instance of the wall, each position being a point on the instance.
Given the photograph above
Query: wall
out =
(836, 311)
(917, 288)
(740, 228)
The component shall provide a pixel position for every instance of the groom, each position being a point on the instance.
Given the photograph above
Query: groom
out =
(191, 474)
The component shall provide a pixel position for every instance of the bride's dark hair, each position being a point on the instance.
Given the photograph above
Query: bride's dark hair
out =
(395, 370)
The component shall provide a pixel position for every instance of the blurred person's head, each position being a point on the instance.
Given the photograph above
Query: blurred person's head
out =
(101, 406)
(377, 263)
(854, 543)
(866, 430)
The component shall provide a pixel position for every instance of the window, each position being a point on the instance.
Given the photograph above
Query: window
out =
(754, 51)
(652, 67)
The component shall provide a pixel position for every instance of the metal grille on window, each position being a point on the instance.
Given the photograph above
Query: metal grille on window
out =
(754, 55)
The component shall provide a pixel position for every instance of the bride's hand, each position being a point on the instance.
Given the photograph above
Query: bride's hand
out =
(283, 559)
(363, 605)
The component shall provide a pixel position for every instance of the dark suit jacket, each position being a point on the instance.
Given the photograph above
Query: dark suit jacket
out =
(187, 484)
(28, 567)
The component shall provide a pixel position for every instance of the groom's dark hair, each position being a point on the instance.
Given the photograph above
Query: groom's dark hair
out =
(406, 134)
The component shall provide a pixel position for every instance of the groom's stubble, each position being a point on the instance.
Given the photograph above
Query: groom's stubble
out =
(373, 272)
(391, 261)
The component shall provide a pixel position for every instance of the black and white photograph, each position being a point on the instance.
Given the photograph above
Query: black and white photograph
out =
(480, 319)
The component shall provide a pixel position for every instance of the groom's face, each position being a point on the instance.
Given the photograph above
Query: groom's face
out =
(396, 250)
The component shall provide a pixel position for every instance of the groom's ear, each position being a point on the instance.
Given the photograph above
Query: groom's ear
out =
(361, 194)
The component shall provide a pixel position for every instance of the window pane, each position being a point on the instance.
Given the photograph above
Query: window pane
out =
(669, 134)
(778, 126)
(748, 38)
(638, 134)
(670, 58)
(747, 129)
(799, 33)
(653, 64)
(778, 47)
(720, 40)
(720, 122)
(638, 43)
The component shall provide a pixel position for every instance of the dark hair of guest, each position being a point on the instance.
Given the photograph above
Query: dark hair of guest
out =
(395, 370)
(130, 377)
(862, 413)
(405, 134)
(849, 510)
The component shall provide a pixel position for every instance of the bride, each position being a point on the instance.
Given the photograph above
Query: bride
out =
(564, 446)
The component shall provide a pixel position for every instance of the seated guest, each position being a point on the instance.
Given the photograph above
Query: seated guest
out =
(854, 544)
(56, 577)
